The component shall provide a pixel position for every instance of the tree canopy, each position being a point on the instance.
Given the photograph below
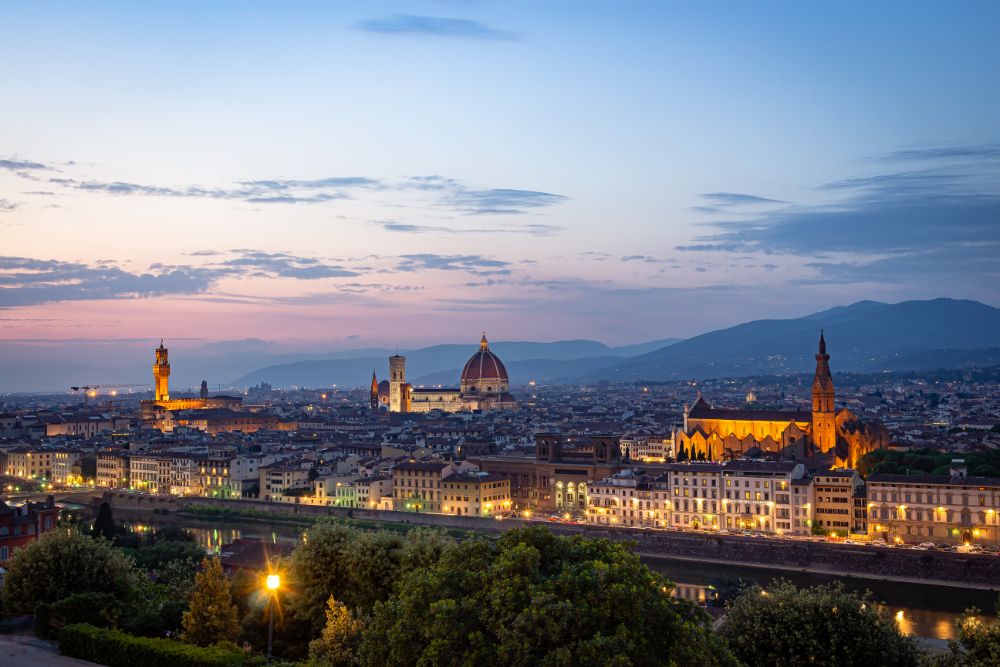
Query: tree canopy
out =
(532, 598)
(824, 625)
(64, 563)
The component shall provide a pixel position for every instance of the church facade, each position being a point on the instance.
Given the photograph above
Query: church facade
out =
(484, 385)
(715, 434)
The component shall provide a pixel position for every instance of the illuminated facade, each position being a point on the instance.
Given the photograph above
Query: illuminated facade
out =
(629, 499)
(953, 508)
(475, 494)
(484, 385)
(720, 433)
(156, 409)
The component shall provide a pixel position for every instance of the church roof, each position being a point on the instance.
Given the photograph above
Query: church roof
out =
(484, 365)
(702, 410)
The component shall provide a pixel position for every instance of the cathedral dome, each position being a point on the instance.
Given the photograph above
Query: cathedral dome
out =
(484, 367)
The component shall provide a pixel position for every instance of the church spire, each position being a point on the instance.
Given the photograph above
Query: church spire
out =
(824, 430)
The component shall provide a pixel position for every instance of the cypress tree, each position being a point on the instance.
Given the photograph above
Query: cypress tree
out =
(211, 616)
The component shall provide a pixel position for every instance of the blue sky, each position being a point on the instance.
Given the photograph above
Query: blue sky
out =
(376, 173)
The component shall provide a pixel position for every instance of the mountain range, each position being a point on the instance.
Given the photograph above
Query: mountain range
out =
(867, 336)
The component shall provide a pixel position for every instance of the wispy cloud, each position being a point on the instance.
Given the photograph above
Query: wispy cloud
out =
(887, 227)
(6, 205)
(737, 199)
(501, 201)
(26, 281)
(285, 265)
(435, 26)
(476, 264)
(14, 164)
(937, 153)
(442, 192)
(407, 228)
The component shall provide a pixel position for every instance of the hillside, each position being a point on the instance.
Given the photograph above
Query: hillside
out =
(866, 336)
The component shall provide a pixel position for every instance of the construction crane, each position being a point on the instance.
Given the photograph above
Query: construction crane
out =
(90, 390)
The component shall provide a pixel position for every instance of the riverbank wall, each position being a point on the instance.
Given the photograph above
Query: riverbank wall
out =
(835, 559)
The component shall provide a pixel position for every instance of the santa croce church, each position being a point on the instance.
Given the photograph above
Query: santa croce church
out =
(715, 434)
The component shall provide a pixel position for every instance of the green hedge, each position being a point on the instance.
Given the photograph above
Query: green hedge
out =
(117, 649)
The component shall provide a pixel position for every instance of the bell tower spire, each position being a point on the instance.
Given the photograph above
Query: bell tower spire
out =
(824, 419)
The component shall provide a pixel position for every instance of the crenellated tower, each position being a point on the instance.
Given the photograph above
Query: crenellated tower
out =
(161, 375)
(824, 417)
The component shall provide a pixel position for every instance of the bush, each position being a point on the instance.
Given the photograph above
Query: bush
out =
(117, 649)
(100, 609)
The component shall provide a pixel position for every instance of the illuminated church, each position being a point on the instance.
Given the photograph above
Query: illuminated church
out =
(484, 386)
(724, 433)
(153, 410)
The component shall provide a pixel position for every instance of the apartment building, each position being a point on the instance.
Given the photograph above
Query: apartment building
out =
(695, 495)
(951, 509)
(630, 498)
(833, 493)
(475, 493)
(758, 494)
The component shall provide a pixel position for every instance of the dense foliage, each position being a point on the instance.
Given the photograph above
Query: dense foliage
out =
(532, 598)
(825, 625)
(929, 461)
(64, 563)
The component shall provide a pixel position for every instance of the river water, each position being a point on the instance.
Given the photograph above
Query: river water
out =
(923, 610)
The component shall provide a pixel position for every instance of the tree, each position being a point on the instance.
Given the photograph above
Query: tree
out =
(211, 616)
(823, 625)
(104, 524)
(359, 567)
(336, 646)
(60, 564)
(532, 598)
(977, 645)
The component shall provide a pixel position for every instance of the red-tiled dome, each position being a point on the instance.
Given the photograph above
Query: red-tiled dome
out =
(484, 365)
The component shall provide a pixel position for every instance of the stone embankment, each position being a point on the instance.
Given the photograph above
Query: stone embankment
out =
(860, 560)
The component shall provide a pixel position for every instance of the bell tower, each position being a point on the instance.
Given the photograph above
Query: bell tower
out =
(397, 384)
(373, 398)
(161, 375)
(824, 417)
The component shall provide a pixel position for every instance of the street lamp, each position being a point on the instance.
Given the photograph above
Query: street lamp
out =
(272, 582)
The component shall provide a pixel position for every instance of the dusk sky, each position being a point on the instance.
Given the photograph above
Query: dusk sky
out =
(334, 175)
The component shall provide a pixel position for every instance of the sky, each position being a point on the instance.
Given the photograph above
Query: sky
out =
(334, 175)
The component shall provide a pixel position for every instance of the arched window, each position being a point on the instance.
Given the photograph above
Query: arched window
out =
(4, 554)
(4, 531)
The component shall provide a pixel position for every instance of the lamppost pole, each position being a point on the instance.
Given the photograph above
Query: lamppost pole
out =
(270, 627)
(273, 581)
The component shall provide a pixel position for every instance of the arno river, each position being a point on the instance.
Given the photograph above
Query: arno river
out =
(928, 611)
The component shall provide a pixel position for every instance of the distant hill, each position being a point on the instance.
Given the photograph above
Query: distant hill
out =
(865, 336)
(442, 364)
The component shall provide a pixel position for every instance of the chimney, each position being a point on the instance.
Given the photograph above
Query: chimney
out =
(958, 468)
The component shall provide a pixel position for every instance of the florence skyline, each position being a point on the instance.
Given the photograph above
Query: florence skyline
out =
(412, 173)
